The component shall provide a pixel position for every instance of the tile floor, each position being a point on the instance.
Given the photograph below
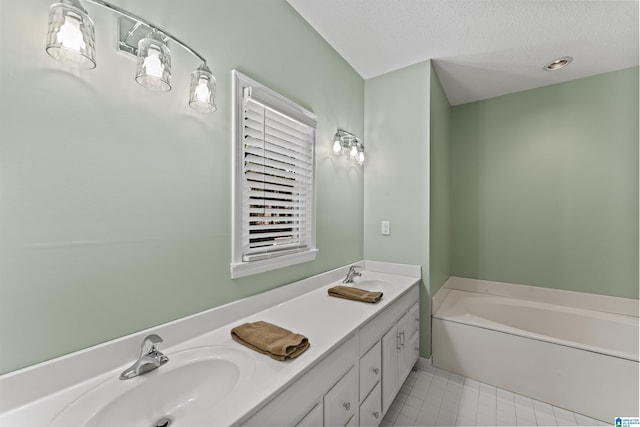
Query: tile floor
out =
(435, 397)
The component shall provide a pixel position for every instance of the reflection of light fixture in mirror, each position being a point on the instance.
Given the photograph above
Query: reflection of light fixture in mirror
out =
(154, 63)
(558, 63)
(71, 40)
(71, 37)
(202, 92)
(347, 144)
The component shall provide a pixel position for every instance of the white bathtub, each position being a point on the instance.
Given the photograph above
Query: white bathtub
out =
(582, 360)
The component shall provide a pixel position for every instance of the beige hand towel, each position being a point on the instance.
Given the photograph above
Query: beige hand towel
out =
(347, 292)
(272, 340)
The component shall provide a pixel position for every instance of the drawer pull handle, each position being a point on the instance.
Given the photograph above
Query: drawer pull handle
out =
(376, 415)
(347, 405)
(376, 371)
(402, 338)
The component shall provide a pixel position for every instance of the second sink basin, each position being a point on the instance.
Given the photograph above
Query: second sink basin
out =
(186, 391)
(373, 285)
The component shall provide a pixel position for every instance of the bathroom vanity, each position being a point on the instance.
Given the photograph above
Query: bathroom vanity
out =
(356, 383)
(359, 357)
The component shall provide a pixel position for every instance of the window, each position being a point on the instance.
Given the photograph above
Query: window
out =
(273, 180)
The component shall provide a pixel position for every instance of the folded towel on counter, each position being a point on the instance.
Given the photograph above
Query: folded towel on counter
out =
(272, 340)
(347, 292)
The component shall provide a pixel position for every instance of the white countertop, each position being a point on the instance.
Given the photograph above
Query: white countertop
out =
(325, 320)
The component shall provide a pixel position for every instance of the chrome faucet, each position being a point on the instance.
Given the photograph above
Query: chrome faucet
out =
(353, 272)
(149, 359)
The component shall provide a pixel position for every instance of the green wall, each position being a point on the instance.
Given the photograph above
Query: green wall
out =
(544, 186)
(397, 175)
(440, 210)
(115, 200)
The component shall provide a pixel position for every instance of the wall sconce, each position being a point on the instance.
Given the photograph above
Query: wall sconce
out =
(71, 40)
(347, 144)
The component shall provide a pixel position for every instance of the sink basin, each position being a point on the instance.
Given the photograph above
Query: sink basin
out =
(373, 285)
(183, 392)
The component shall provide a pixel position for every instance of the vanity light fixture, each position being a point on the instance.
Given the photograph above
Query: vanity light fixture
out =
(71, 40)
(347, 144)
(558, 63)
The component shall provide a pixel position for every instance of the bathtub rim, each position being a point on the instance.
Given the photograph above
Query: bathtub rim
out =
(584, 300)
(488, 324)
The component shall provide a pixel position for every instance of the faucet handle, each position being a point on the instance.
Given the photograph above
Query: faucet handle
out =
(152, 339)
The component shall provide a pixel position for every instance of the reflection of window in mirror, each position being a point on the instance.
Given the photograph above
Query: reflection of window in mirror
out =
(273, 180)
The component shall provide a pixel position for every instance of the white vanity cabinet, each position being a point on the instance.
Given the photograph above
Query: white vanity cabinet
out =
(356, 383)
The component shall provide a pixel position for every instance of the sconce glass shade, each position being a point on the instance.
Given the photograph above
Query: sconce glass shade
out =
(71, 35)
(353, 152)
(337, 144)
(202, 92)
(154, 63)
(360, 156)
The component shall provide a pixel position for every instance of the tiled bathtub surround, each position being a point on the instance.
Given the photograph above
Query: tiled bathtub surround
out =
(435, 397)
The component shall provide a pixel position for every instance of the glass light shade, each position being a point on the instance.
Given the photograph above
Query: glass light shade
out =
(346, 145)
(154, 63)
(360, 156)
(353, 153)
(202, 92)
(337, 144)
(71, 35)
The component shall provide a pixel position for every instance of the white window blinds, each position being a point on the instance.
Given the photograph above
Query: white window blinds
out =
(275, 177)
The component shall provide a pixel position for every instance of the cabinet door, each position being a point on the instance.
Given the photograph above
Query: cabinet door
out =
(390, 373)
(341, 402)
(408, 354)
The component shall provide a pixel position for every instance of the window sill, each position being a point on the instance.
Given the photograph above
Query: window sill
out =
(243, 269)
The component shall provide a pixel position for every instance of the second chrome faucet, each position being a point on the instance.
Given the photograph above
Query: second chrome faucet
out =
(353, 272)
(150, 358)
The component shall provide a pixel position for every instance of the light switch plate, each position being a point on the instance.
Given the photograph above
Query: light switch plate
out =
(385, 228)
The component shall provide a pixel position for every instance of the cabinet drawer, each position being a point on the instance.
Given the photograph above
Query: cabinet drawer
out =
(313, 418)
(371, 408)
(341, 401)
(370, 365)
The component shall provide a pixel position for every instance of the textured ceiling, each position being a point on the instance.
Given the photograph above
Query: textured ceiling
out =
(480, 48)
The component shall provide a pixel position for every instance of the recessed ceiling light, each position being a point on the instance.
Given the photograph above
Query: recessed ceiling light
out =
(558, 63)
